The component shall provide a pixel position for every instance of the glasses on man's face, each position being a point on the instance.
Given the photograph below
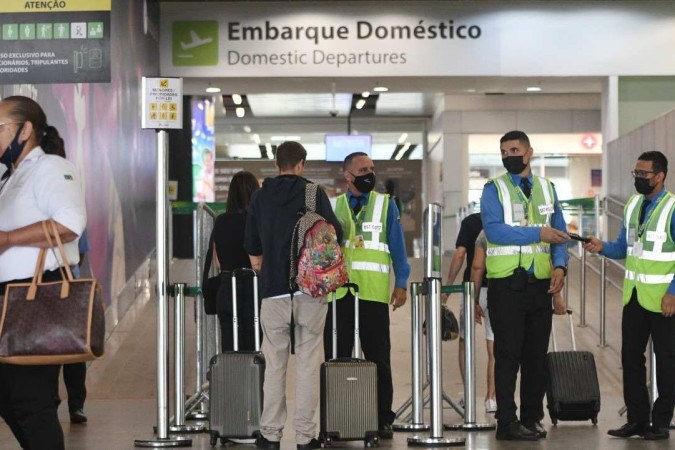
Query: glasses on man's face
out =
(641, 173)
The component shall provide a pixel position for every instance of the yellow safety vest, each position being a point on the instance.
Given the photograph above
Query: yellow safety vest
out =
(365, 248)
(502, 260)
(649, 269)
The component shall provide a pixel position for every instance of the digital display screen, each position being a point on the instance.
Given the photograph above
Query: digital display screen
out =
(338, 146)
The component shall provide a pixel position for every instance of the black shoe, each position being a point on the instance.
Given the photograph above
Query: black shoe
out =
(263, 443)
(630, 429)
(515, 431)
(657, 433)
(314, 443)
(536, 428)
(386, 432)
(78, 416)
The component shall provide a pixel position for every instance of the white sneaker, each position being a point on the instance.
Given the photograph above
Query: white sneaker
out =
(490, 406)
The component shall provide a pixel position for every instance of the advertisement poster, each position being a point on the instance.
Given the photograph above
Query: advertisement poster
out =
(203, 150)
(55, 41)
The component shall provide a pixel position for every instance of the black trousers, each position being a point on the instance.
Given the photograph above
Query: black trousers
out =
(637, 325)
(521, 321)
(74, 376)
(27, 399)
(375, 342)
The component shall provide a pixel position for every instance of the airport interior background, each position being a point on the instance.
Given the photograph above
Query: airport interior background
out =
(590, 99)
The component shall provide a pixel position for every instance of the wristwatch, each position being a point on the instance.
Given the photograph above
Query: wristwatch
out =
(564, 269)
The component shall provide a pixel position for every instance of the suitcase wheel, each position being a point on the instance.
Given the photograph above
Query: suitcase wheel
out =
(327, 441)
(594, 420)
(554, 420)
(372, 441)
(214, 439)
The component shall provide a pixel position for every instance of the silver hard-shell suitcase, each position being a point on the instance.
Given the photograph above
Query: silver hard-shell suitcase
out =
(236, 380)
(349, 392)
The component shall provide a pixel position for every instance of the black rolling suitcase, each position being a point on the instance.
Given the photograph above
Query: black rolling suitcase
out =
(573, 391)
(236, 381)
(349, 392)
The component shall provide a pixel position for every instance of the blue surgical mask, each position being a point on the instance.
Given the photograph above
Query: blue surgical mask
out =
(13, 150)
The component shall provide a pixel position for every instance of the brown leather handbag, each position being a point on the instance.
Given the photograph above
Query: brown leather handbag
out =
(55, 322)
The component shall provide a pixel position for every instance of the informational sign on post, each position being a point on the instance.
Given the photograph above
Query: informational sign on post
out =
(162, 103)
(55, 41)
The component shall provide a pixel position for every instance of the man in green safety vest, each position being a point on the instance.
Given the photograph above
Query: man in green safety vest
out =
(526, 264)
(373, 242)
(647, 242)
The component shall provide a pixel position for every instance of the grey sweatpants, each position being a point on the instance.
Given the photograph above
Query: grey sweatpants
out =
(309, 315)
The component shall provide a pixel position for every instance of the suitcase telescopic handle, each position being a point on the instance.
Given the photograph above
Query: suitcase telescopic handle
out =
(574, 341)
(357, 341)
(235, 319)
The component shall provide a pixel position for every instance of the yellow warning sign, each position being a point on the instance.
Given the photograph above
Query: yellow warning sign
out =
(164, 84)
(162, 106)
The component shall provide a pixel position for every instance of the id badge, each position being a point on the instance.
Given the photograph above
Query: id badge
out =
(637, 249)
(359, 242)
(518, 213)
(631, 236)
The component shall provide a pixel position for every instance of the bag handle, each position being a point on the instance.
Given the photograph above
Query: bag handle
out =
(66, 273)
(310, 196)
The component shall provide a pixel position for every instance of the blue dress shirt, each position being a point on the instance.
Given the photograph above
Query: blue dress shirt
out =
(498, 232)
(618, 248)
(395, 240)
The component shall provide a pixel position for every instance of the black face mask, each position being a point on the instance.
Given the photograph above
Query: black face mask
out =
(13, 150)
(364, 183)
(643, 187)
(514, 164)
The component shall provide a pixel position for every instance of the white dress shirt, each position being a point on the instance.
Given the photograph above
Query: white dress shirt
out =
(42, 187)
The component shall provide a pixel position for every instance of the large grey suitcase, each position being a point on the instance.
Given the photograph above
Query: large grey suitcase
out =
(349, 392)
(573, 390)
(236, 381)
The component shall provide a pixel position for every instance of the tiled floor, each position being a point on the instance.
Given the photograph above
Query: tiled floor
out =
(121, 405)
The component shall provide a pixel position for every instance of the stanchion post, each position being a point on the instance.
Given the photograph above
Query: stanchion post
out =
(179, 425)
(432, 280)
(582, 272)
(470, 365)
(603, 302)
(163, 439)
(417, 355)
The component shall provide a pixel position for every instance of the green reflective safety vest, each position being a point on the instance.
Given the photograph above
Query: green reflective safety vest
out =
(649, 269)
(502, 260)
(365, 248)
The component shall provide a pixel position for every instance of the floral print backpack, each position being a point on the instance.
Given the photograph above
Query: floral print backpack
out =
(317, 263)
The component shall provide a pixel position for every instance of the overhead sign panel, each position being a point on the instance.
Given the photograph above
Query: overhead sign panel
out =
(66, 41)
(421, 38)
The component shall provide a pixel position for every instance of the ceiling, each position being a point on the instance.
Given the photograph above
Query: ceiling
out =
(305, 109)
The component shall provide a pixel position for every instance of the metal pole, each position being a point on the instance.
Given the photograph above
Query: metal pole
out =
(582, 273)
(432, 281)
(653, 387)
(470, 365)
(603, 303)
(163, 439)
(416, 353)
(179, 364)
(199, 411)
(596, 208)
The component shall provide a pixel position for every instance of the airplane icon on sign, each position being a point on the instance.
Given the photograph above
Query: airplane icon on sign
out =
(196, 41)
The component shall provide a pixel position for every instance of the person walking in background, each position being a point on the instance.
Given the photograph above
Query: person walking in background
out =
(647, 242)
(36, 187)
(272, 215)
(526, 265)
(467, 247)
(373, 243)
(228, 247)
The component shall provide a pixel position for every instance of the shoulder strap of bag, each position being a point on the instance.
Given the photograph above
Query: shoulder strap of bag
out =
(66, 274)
(207, 262)
(310, 196)
(62, 250)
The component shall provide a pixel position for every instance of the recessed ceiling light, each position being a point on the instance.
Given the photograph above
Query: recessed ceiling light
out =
(256, 138)
(212, 89)
(361, 103)
(365, 94)
(403, 149)
(471, 91)
(240, 111)
(247, 129)
(403, 137)
(380, 89)
(236, 98)
(533, 89)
